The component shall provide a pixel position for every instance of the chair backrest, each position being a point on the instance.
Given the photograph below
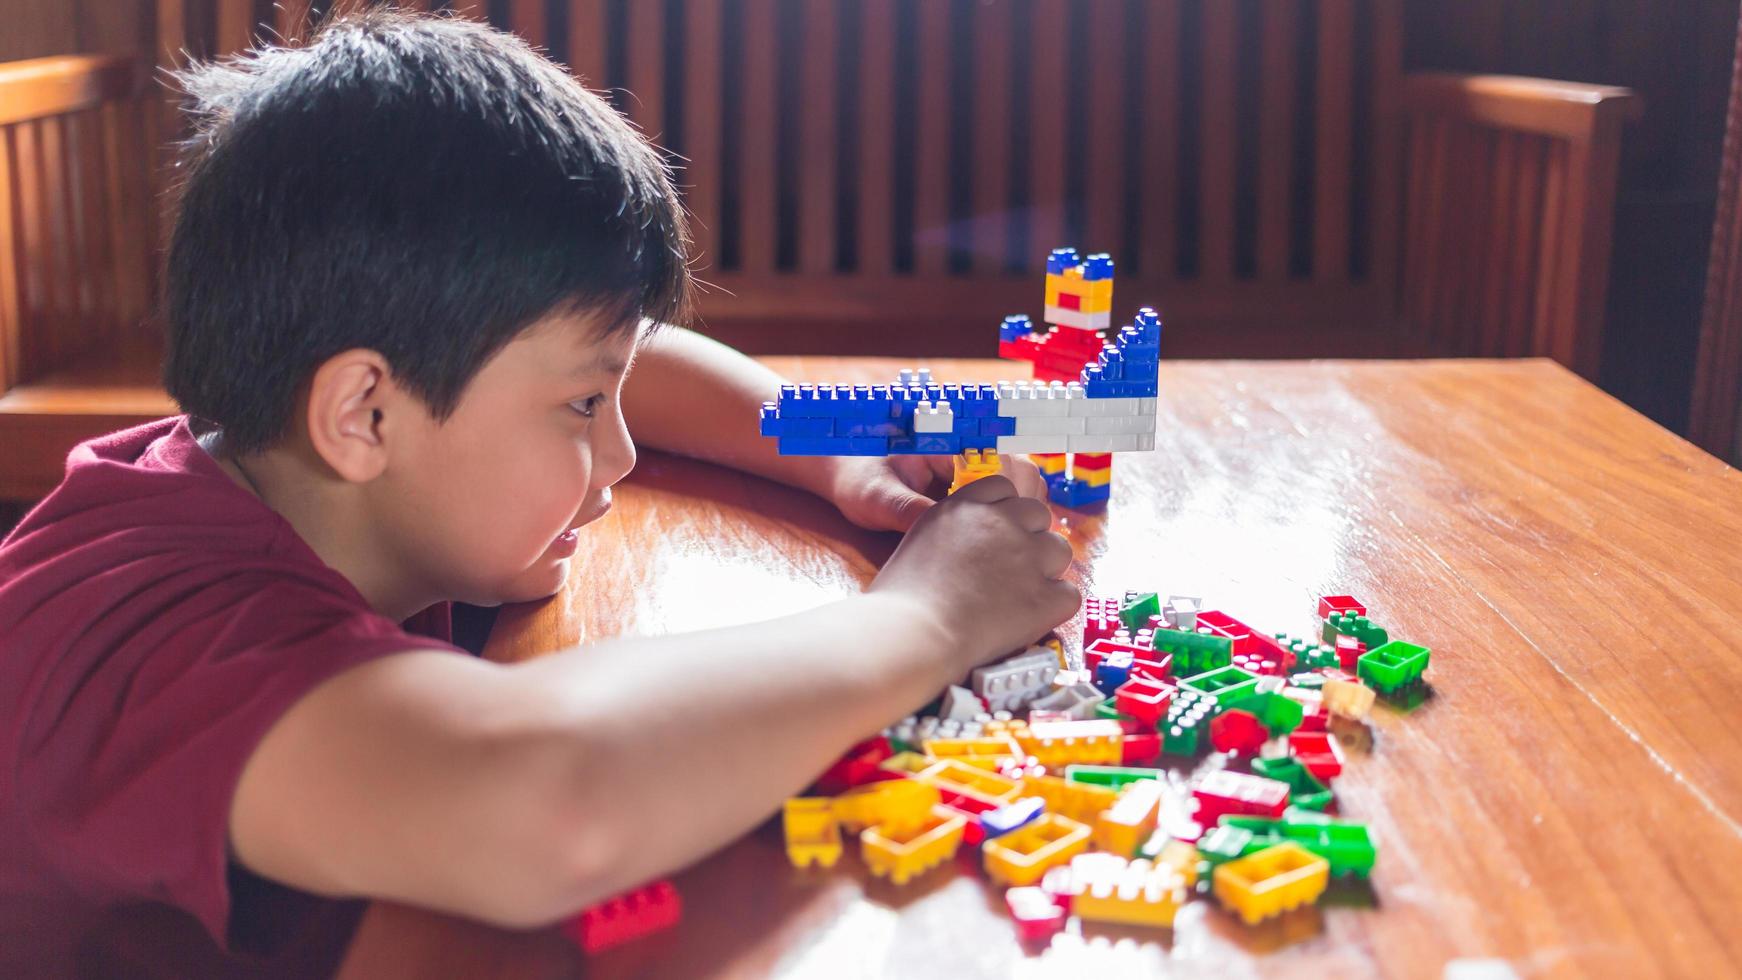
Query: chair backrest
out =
(1509, 210)
(910, 162)
(75, 219)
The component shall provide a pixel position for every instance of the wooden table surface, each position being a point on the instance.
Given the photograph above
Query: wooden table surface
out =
(1567, 801)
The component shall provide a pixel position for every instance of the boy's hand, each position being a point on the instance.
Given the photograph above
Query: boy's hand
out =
(985, 568)
(889, 493)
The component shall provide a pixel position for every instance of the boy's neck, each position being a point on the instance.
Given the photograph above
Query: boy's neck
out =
(330, 519)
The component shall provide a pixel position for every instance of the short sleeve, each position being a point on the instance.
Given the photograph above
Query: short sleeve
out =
(133, 756)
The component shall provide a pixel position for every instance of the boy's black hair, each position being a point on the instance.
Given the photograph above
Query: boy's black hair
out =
(422, 186)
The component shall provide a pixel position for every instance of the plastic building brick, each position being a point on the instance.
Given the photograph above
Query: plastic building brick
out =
(1181, 612)
(1112, 777)
(1082, 802)
(1021, 857)
(1330, 605)
(1008, 818)
(1355, 625)
(1188, 719)
(1271, 881)
(1136, 893)
(1194, 653)
(1100, 619)
(1011, 684)
(1304, 789)
(1060, 743)
(1349, 650)
(1137, 608)
(1238, 731)
(1229, 684)
(1349, 699)
(1181, 856)
(898, 804)
(1393, 666)
(1242, 638)
(992, 752)
(1038, 917)
(1226, 792)
(1319, 752)
(1112, 672)
(961, 704)
(959, 782)
(1224, 843)
(1145, 700)
(900, 855)
(1145, 661)
(1129, 821)
(812, 835)
(859, 765)
(1279, 713)
(1077, 701)
(627, 917)
(1143, 748)
(1347, 847)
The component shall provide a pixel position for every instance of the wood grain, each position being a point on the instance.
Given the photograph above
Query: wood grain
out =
(1568, 798)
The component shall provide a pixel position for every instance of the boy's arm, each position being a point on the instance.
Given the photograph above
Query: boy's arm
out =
(697, 397)
(521, 794)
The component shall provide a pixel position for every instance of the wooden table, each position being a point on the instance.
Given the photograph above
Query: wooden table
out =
(1567, 801)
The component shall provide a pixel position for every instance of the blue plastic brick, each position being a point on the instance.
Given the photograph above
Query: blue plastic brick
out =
(936, 444)
(998, 425)
(1098, 266)
(1060, 259)
(1012, 815)
(881, 428)
(1114, 670)
(1015, 327)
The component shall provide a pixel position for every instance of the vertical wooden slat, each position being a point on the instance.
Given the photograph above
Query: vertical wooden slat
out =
(702, 109)
(1049, 95)
(1386, 149)
(1104, 197)
(235, 25)
(646, 102)
(527, 19)
(1159, 140)
(1216, 128)
(876, 190)
(1276, 113)
(1553, 259)
(130, 209)
(94, 268)
(1522, 271)
(1501, 239)
(1433, 171)
(1414, 222)
(816, 143)
(757, 139)
(587, 41)
(993, 36)
(931, 204)
(58, 209)
(1333, 108)
(11, 231)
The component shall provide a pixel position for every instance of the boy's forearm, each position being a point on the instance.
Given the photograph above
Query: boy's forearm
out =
(723, 724)
(697, 397)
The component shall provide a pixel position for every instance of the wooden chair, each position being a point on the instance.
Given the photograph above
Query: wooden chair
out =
(78, 356)
(886, 176)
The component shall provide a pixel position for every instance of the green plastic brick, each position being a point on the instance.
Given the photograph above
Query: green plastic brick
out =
(1225, 843)
(1107, 711)
(1304, 789)
(1308, 655)
(1135, 611)
(1188, 718)
(1359, 627)
(1280, 715)
(1392, 666)
(1194, 653)
(1113, 777)
(1228, 684)
(1348, 847)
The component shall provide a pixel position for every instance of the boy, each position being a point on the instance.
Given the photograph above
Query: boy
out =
(412, 266)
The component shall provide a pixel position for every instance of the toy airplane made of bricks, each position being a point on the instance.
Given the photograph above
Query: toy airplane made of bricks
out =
(1091, 395)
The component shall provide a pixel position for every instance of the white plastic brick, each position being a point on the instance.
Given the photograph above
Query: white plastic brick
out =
(1010, 445)
(934, 417)
(1073, 318)
(1148, 406)
(1110, 425)
(1093, 407)
(1011, 685)
(1146, 442)
(1052, 425)
(961, 704)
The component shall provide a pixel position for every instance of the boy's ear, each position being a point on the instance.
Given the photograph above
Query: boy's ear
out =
(346, 397)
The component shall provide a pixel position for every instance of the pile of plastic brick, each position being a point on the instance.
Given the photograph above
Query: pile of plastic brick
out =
(1185, 753)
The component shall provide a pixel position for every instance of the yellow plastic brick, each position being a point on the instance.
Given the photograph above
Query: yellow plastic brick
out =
(812, 835)
(899, 804)
(993, 753)
(953, 776)
(1271, 881)
(902, 855)
(1082, 802)
(1022, 856)
(1129, 821)
(1350, 699)
(1137, 893)
(1057, 744)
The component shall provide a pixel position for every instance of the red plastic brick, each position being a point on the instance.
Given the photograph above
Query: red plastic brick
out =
(1143, 699)
(1319, 752)
(1238, 731)
(1330, 605)
(627, 917)
(1224, 792)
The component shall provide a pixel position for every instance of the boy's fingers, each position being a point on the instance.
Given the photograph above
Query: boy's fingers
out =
(988, 489)
(906, 508)
(1056, 556)
(1027, 513)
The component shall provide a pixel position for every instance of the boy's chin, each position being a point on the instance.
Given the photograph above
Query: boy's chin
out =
(537, 583)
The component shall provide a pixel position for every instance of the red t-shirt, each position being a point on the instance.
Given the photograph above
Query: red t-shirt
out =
(155, 621)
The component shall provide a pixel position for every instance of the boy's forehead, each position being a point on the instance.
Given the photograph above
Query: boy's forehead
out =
(586, 343)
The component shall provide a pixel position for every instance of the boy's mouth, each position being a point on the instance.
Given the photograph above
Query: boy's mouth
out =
(566, 542)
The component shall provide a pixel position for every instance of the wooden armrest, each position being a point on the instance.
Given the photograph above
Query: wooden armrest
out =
(1570, 110)
(56, 86)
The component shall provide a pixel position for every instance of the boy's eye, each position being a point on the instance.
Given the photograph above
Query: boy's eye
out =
(587, 406)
